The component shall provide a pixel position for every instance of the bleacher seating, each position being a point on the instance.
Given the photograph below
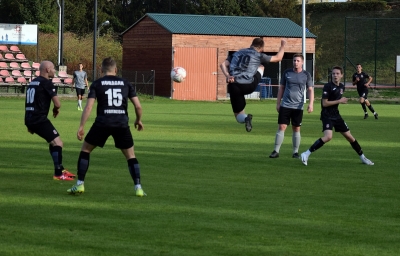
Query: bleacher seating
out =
(35, 65)
(26, 65)
(9, 79)
(27, 73)
(37, 73)
(68, 80)
(3, 65)
(15, 48)
(62, 74)
(21, 57)
(56, 80)
(4, 48)
(4, 73)
(16, 73)
(14, 65)
(9, 56)
(22, 80)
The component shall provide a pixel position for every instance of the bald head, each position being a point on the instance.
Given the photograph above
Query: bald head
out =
(46, 69)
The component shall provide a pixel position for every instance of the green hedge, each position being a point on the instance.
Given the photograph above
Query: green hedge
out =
(347, 6)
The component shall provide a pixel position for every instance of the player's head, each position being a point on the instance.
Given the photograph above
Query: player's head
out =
(47, 69)
(358, 67)
(80, 65)
(298, 60)
(109, 66)
(337, 74)
(258, 44)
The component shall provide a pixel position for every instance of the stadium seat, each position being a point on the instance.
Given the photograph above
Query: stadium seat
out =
(4, 73)
(14, 65)
(22, 80)
(4, 48)
(9, 79)
(62, 74)
(9, 56)
(68, 80)
(21, 56)
(35, 65)
(3, 65)
(14, 48)
(27, 73)
(16, 73)
(56, 80)
(26, 65)
(37, 73)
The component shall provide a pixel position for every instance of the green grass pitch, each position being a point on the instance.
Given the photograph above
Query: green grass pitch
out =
(212, 190)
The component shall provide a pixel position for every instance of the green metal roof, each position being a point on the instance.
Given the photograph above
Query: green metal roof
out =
(226, 25)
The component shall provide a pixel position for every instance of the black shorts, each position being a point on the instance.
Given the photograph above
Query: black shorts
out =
(98, 136)
(287, 115)
(45, 130)
(363, 93)
(80, 92)
(238, 91)
(339, 125)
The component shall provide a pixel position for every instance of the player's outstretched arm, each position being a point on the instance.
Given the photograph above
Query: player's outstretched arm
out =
(279, 55)
(138, 111)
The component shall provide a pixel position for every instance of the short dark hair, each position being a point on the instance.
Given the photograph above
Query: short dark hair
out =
(258, 42)
(338, 68)
(108, 64)
(298, 55)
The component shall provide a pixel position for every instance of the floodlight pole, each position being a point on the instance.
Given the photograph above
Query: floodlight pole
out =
(303, 14)
(94, 38)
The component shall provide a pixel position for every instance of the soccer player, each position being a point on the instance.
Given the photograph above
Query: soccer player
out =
(112, 94)
(243, 71)
(330, 117)
(290, 101)
(39, 95)
(80, 83)
(359, 79)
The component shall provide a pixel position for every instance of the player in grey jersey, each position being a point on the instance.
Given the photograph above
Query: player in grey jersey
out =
(290, 101)
(113, 95)
(243, 71)
(80, 83)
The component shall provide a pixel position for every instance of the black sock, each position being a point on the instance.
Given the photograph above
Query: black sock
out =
(83, 165)
(134, 170)
(56, 154)
(363, 107)
(317, 144)
(356, 147)
(371, 108)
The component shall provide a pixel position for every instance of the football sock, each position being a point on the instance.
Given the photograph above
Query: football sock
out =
(138, 186)
(134, 170)
(79, 182)
(83, 165)
(240, 118)
(80, 103)
(296, 138)
(356, 147)
(317, 144)
(56, 154)
(364, 108)
(280, 135)
(371, 108)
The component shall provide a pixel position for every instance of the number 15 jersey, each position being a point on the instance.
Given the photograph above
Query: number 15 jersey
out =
(112, 94)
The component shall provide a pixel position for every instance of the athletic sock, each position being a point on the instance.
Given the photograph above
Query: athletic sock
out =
(356, 147)
(317, 144)
(364, 108)
(80, 103)
(296, 138)
(240, 118)
(371, 108)
(280, 135)
(134, 170)
(56, 155)
(83, 165)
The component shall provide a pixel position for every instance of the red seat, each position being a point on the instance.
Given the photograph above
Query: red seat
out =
(3, 65)
(37, 73)
(16, 73)
(4, 48)
(68, 80)
(26, 65)
(20, 56)
(9, 56)
(4, 73)
(56, 80)
(22, 80)
(27, 73)
(14, 48)
(9, 79)
(14, 65)
(62, 74)
(35, 65)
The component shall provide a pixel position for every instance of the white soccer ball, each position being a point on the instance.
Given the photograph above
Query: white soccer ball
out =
(178, 74)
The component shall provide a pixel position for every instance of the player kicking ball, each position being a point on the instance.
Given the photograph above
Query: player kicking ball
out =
(330, 117)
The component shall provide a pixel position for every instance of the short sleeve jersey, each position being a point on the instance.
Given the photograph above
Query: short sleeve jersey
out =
(38, 100)
(244, 64)
(79, 77)
(361, 83)
(331, 92)
(295, 85)
(112, 94)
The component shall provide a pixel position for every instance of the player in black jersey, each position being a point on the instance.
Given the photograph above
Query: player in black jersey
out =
(113, 95)
(39, 95)
(330, 117)
(359, 79)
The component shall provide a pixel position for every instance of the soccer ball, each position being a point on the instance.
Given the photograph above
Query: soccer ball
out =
(178, 74)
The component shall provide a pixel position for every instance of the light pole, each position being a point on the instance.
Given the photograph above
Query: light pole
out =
(105, 23)
(94, 38)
